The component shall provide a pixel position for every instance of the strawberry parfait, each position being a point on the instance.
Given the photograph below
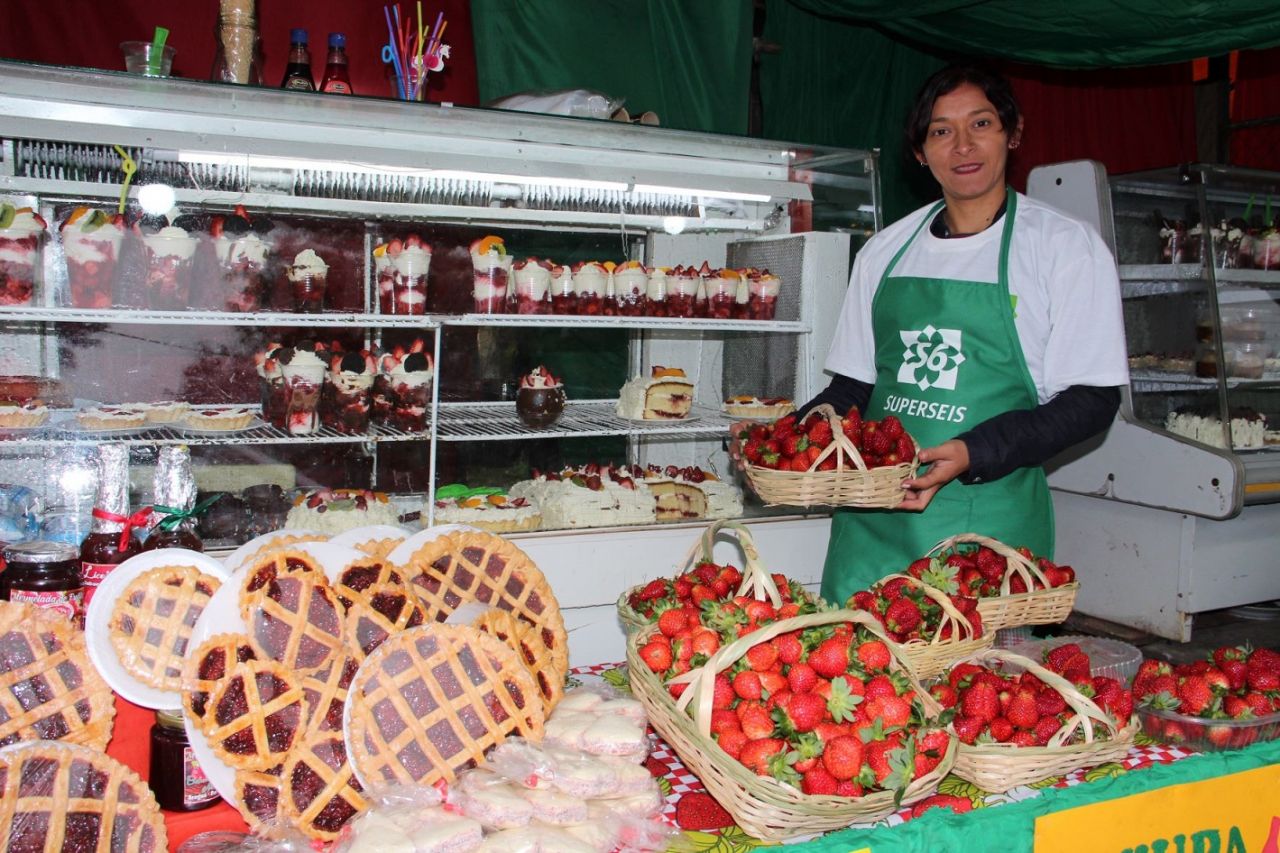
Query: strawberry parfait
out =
(241, 249)
(303, 374)
(401, 267)
(655, 292)
(762, 301)
(271, 384)
(308, 278)
(722, 293)
(630, 282)
(564, 300)
(91, 239)
(170, 252)
(405, 378)
(590, 283)
(682, 292)
(21, 231)
(491, 270)
(533, 285)
(345, 404)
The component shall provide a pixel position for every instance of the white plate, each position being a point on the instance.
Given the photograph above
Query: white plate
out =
(75, 426)
(236, 558)
(653, 421)
(409, 547)
(186, 427)
(97, 619)
(369, 533)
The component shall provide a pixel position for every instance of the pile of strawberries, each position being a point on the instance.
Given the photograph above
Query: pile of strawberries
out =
(978, 571)
(1232, 683)
(705, 582)
(908, 613)
(820, 710)
(790, 444)
(993, 707)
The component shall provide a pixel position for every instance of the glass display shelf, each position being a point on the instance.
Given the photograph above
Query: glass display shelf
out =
(497, 421)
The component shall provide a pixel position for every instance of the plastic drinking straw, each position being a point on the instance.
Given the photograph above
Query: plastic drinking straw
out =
(434, 47)
(395, 57)
(421, 32)
(128, 167)
(1266, 223)
(1248, 208)
(157, 52)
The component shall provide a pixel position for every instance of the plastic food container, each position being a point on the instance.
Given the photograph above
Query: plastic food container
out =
(1111, 658)
(1207, 735)
(1008, 638)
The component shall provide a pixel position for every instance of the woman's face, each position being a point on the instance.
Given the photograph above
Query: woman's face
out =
(966, 148)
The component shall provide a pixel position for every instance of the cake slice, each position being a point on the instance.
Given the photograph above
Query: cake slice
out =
(665, 395)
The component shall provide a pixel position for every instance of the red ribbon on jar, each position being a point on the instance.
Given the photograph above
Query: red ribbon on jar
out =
(138, 519)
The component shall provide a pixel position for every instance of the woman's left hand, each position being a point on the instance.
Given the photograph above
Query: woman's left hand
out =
(946, 462)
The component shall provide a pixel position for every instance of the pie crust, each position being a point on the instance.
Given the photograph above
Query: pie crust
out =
(319, 792)
(258, 795)
(431, 701)
(164, 412)
(753, 407)
(526, 642)
(295, 619)
(382, 611)
(255, 715)
(23, 415)
(207, 666)
(49, 689)
(111, 417)
(362, 574)
(326, 695)
(219, 419)
(69, 797)
(152, 620)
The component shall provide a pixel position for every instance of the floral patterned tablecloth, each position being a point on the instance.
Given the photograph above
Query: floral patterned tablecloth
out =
(705, 826)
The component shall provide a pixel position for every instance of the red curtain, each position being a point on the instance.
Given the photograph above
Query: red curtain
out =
(89, 34)
(1257, 95)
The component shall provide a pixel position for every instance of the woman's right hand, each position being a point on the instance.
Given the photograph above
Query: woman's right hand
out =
(735, 445)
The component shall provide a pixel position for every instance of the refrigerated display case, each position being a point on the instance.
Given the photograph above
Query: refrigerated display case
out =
(1174, 512)
(342, 176)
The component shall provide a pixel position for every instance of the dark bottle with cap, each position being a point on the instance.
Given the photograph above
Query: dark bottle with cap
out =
(46, 575)
(336, 80)
(297, 74)
(174, 495)
(111, 540)
(176, 777)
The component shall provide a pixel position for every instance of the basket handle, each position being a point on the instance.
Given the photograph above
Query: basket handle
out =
(949, 612)
(702, 681)
(1086, 710)
(839, 441)
(756, 581)
(1016, 562)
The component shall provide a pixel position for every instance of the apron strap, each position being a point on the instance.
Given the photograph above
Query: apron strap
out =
(1006, 238)
(923, 222)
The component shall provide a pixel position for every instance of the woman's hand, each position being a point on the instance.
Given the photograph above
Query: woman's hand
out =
(735, 448)
(946, 462)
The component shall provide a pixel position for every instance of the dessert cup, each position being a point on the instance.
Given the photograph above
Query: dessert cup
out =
(629, 284)
(347, 401)
(540, 407)
(242, 267)
(533, 288)
(655, 294)
(170, 264)
(564, 299)
(590, 283)
(308, 279)
(402, 280)
(682, 292)
(762, 301)
(91, 263)
(490, 271)
(20, 244)
(411, 395)
(302, 384)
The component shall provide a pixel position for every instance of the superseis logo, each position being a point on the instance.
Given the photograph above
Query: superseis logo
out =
(932, 358)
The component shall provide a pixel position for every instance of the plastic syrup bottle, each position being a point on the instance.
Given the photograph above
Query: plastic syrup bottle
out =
(335, 69)
(297, 74)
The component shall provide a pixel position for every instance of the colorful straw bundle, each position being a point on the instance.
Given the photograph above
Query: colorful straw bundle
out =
(413, 54)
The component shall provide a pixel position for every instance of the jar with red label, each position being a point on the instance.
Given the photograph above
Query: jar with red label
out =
(176, 777)
(47, 575)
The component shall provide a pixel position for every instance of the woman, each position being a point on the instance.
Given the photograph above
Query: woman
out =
(989, 324)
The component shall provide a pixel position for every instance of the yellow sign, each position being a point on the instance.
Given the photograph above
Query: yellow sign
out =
(1239, 813)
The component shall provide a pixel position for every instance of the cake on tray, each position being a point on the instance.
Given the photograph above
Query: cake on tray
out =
(337, 510)
(666, 394)
(488, 508)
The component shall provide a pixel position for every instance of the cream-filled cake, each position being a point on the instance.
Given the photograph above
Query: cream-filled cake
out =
(750, 406)
(666, 394)
(589, 496)
(337, 510)
(689, 493)
(489, 509)
(1248, 430)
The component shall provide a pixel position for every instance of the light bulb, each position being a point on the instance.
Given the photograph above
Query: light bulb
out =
(673, 224)
(156, 199)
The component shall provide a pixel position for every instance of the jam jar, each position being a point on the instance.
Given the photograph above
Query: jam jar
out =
(176, 778)
(47, 575)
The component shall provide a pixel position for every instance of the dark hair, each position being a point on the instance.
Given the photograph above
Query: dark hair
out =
(993, 85)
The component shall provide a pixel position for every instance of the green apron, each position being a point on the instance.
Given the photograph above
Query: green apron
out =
(947, 358)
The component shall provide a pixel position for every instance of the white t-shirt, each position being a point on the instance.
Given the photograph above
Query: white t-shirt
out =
(1067, 311)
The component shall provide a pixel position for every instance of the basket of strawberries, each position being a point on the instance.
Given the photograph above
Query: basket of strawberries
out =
(803, 725)
(702, 580)
(930, 625)
(1013, 587)
(828, 460)
(1019, 722)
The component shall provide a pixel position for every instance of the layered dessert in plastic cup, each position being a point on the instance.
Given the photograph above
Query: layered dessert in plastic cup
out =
(764, 287)
(564, 299)
(655, 293)
(630, 283)
(22, 231)
(345, 404)
(722, 293)
(241, 249)
(540, 399)
(533, 286)
(271, 384)
(491, 269)
(308, 278)
(170, 252)
(405, 377)
(401, 267)
(91, 240)
(303, 381)
(682, 292)
(1266, 250)
(590, 283)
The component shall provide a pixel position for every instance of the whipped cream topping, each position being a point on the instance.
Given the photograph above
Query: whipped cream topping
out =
(591, 279)
(241, 248)
(532, 281)
(307, 264)
(24, 224)
(413, 261)
(766, 286)
(539, 377)
(656, 287)
(170, 242)
(92, 247)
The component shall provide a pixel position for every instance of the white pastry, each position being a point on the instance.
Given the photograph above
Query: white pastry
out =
(553, 807)
(580, 699)
(630, 778)
(622, 707)
(374, 833)
(567, 729)
(637, 805)
(614, 736)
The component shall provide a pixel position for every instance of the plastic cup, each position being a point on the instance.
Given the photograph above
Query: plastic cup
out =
(302, 384)
(137, 58)
(345, 406)
(19, 267)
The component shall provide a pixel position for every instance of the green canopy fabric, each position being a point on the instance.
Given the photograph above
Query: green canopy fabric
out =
(1079, 34)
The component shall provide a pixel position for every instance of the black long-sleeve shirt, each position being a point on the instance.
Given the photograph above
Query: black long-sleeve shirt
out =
(1019, 438)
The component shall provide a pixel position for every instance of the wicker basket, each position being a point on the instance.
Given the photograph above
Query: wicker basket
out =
(859, 486)
(756, 582)
(998, 767)
(1047, 606)
(932, 657)
(764, 807)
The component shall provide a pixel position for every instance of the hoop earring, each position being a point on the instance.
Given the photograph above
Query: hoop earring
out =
(923, 163)
(1013, 145)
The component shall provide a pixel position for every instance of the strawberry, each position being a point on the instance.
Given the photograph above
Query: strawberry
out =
(722, 695)
(842, 757)
(851, 423)
(755, 754)
(1222, 654)
(1267, 658)
(874, 655)
(1236, 672)
(759, 612)
(732, 741)
(892, 711)
(891, 426)
(698, 810)
(818, 781)
(959, 805)
(1194, 695)
(723, 720)
(1262, 680)
(981, 702)
(930, 750)
(756, 721)
(819, 434)
(789, 648)
(772, 681)
(1077, 667)
(1045, 729)
(1258, 704)
(654, 589)
(1001, 729)
(945, 694)
(1056, 658)
(801, 713)
(762, 657)
(877, 758)
(657, 655)
(876, 442)
(746, 685)
(831, 658)
(673, 621)
(801, 678)
(962, 675)
(1022, 711)
(903, 616)
(880, 686)
(1050, 703)
(848, 788)
(967, 729)
(705, 641)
